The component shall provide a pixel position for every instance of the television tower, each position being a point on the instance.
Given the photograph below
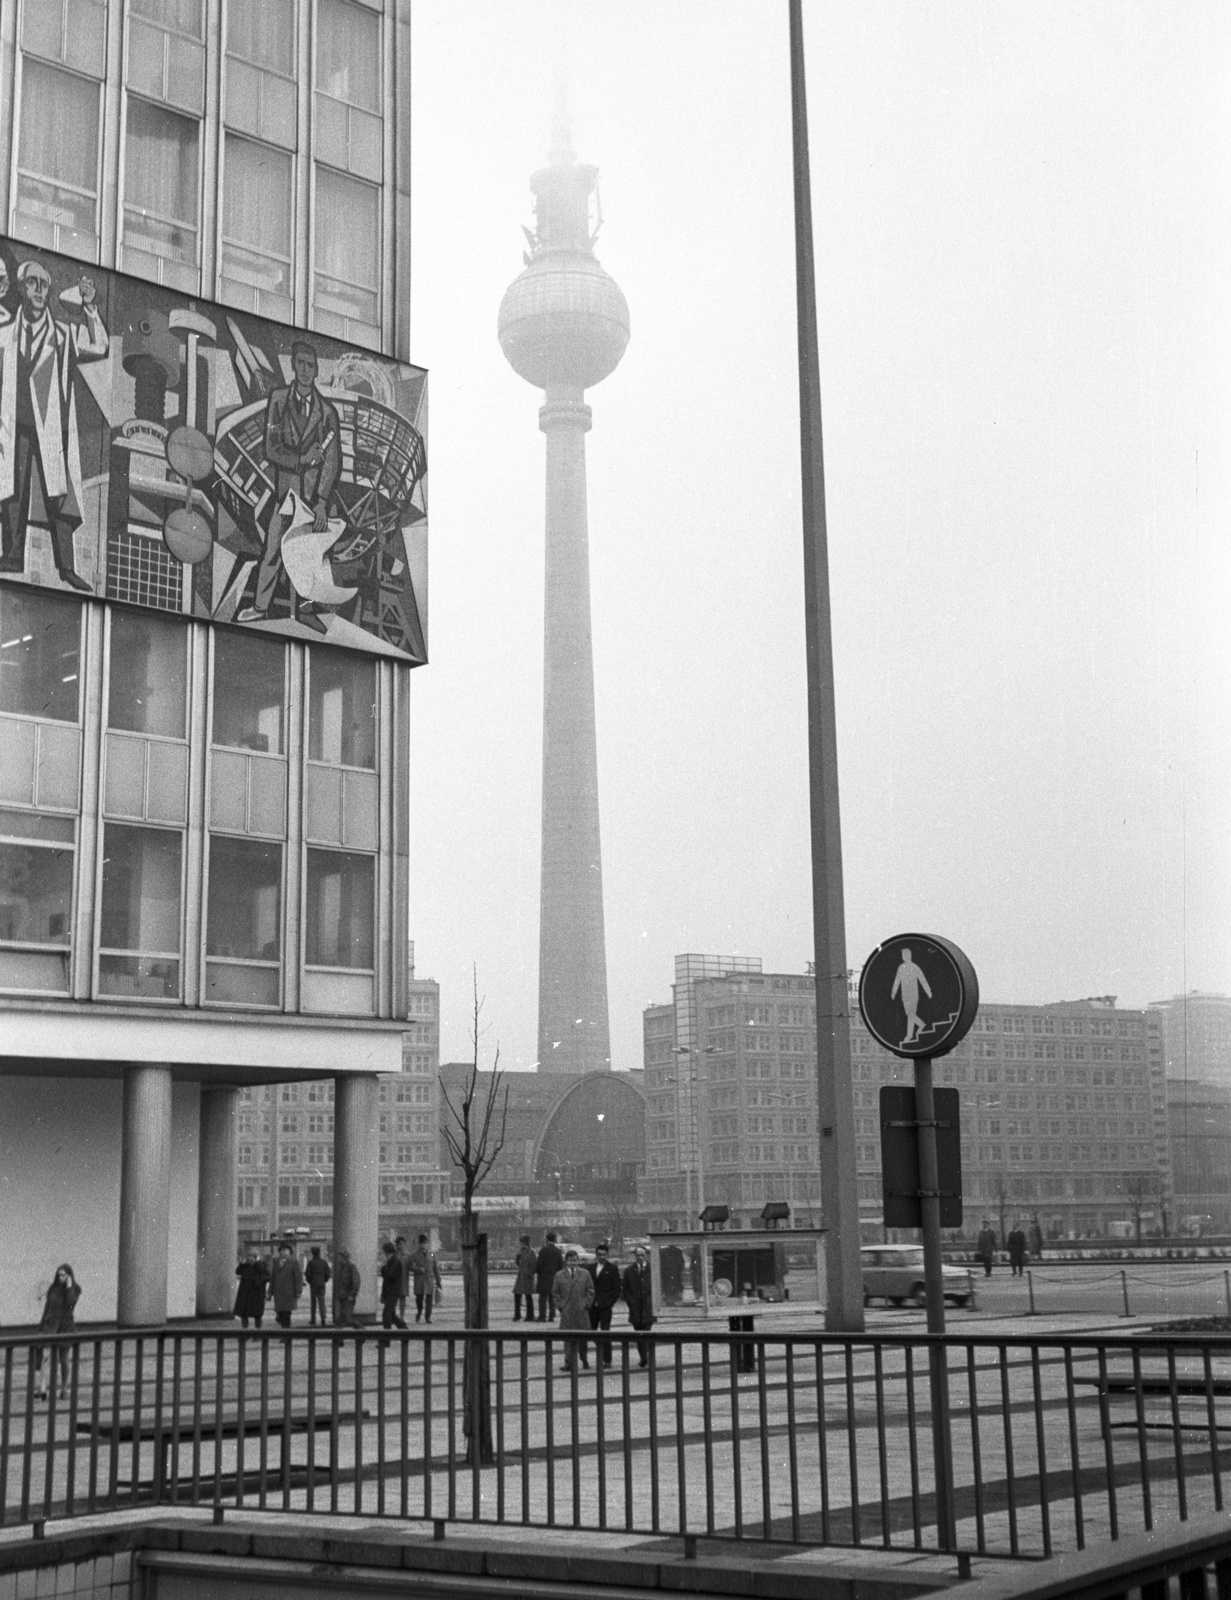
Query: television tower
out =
(563, 326)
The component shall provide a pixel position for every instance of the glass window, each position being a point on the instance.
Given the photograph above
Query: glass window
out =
(256, 228)
(263, 32)
(148, 675)
(342, 715)
(57, 161)
(244, 923)
(36, 897)
(140, 913)
(182, 15)
(348, 53)
(40, 654)
(160, 194)
(341, 909)
(347, 252)
(249, 690)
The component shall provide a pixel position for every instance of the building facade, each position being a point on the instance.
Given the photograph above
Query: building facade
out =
(210, 603)
(1200, 1122)
(1064, 1106)
(1196, 1037)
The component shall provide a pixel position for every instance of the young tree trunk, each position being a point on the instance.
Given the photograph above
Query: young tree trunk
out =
(476, 1367)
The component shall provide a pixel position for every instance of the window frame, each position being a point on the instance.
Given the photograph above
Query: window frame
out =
(244, 749)
(26, 591)
(38, 946)
(255, 962)
(124, 208)
(18, 172)
(97, 948)
(312, 966)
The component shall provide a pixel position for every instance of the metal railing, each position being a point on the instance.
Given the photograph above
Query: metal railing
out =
(1057, 1442)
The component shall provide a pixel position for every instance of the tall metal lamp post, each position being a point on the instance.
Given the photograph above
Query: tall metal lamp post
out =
(697, 1126)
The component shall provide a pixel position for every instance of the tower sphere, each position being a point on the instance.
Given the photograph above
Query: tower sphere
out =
(563, 321)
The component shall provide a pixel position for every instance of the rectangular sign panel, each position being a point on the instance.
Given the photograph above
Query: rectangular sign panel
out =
(900, 1156)
(166, 452)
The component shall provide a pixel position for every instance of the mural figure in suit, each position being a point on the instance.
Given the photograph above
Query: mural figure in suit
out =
(39, 356)
(303, 445)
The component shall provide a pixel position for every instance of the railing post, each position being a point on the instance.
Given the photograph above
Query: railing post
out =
(1030, 1289)
(1226, 1278)
(1124, 1288)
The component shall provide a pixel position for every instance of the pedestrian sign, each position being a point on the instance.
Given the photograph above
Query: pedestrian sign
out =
(918, 995)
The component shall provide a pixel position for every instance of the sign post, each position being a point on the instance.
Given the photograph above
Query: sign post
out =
(918, 995)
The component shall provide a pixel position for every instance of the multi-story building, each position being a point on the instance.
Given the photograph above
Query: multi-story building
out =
(1196, 1037)
(1064, 1111)
(1200, 1121)
(1064, 1115)
(212, 590)
(286, 1139)
(731, 1106)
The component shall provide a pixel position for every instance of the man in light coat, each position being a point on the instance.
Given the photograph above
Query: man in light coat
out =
(38, 418)
(572, 1295)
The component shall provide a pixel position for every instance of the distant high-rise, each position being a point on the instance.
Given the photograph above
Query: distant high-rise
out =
(563, 326)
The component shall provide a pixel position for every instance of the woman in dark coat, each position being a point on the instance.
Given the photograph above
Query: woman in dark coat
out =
(253, 1278)
(63, 1294)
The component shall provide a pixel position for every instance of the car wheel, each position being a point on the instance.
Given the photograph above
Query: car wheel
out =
(919, 1295)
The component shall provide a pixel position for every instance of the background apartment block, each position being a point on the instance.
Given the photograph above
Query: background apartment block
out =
(1196, 1037)
(1064, 1106)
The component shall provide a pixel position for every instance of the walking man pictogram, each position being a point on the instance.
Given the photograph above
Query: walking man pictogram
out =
(907, 983)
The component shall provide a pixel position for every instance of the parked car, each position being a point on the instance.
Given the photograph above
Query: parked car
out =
(894, 1272)
(585, 1255)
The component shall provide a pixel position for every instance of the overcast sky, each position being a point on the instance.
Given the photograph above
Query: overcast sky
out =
(1023, 239)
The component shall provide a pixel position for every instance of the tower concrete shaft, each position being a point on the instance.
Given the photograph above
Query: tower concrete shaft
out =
(573, 1028)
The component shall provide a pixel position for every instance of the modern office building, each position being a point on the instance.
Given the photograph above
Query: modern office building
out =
(1200, 1121)
(1064, 1107)
(212, 592)
(1196, 1037)
(731, 1105)
(563, 327)
(286, 1141)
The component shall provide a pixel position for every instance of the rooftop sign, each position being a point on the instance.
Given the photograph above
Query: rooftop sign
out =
(187, 457)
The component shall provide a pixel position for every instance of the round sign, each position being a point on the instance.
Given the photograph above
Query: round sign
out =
(918, 995)
(188, 535)
(190, 453)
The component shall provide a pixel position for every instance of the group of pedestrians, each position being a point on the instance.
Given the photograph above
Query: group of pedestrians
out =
(402, 1274)
(281, 1282)
(1016, 1243)
(582, 1297)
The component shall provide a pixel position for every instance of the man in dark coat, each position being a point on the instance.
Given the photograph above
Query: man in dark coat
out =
(1017, 1250)
(550, 1261)
(637, 1293)
(527, 1263)
(303, 445)
(253, 1277)
(985, 1248)
(285, 1285)
(606, 1277)
(390, 1287)
(425, 1277)
(345, 1290)
(316, 1275)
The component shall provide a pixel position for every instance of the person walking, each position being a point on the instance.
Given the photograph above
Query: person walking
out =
(985, 1248)
(404, 1258)
(59, 1304)
(285, 1285)
(523, 1284)
(316, 1276)
(606, 1276)
(345, 1290)
(1017, 1250)
(548, 1264)
(253, 1277)
(636, 1292)
(390, 1287)
(425, 1270)
(572, 1294)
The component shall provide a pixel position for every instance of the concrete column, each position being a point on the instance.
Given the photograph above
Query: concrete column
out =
(356, 1193)
(217, 1202)
(145, 1196)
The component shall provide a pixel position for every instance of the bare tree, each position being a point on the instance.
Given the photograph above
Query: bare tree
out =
(474, 1144)
(1002, 1200)
(1141, 1188)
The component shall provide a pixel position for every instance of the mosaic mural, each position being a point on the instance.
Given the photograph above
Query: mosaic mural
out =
(185, 456)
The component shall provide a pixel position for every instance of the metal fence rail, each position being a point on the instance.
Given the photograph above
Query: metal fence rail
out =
(805, 1438)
